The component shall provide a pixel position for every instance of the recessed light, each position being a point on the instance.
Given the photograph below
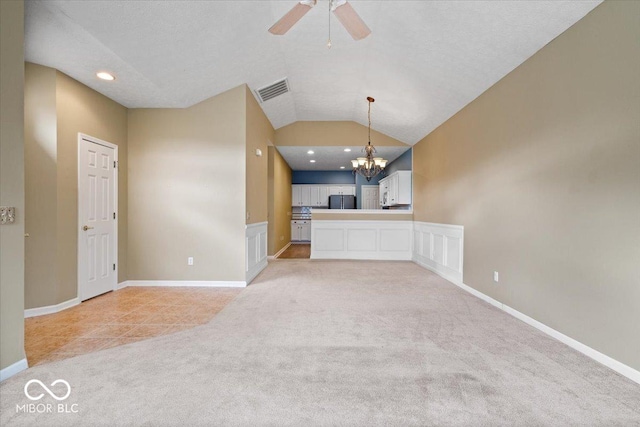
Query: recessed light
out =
(341, 167)
(312, 161)
(105, 76)
(310, 152)
(347, 149)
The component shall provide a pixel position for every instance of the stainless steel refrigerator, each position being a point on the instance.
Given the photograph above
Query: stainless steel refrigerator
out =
(342, 202)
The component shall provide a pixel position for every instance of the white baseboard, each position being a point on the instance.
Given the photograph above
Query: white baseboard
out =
(50, 309)
(121, 285)
(279, 252)
(187, 283)
(13, 369)
(439, 271)
(257, 269)
(607, 361)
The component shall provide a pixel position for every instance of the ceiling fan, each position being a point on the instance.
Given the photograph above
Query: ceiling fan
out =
(346, 14)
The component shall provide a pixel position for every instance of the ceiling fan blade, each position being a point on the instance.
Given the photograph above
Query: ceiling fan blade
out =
(289, 20)
(350, 19)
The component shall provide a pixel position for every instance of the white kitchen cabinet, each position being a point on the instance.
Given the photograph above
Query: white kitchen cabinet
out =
(342, 190)
(300, 195)
(305, 232)
(319, 195)
(383, 192)
(396, 189)
(295, 195)
(300, 231)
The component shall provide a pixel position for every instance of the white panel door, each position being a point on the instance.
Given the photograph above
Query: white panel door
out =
(97, 205)
(370, 198)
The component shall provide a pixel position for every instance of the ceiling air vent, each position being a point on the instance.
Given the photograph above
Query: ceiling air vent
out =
(275, 89)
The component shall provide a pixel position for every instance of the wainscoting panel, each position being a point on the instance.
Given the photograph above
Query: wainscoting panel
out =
(377, 240)
(255, 249)
(439, 247)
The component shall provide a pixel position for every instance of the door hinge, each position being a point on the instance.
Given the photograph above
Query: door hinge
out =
(114, 267)
(115, 164)
(114, 215)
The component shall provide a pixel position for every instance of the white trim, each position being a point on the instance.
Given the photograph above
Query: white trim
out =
(13, 369)
(607, 361)
(255, 254)
(435, 224)
(80, 266)
(50, 309)
(440, 248)
(372, 240)
(450, 277)
(256, 225)
(121, 285)
(280, 251)
(257, 269)
(192, 283)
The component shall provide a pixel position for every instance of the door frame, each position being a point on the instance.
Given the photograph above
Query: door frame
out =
(362, 187)
(81, 270)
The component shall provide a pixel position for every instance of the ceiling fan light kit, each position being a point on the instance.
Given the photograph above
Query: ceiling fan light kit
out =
(345, 13)
(369, 166)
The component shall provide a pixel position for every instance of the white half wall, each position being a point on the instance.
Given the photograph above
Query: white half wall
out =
(376, 240)
(439, 247)
(255, 250)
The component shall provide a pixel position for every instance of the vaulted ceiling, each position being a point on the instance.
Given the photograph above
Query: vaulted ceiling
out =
(423, 62)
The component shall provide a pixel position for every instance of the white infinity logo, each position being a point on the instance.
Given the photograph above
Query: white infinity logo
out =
(52, 394)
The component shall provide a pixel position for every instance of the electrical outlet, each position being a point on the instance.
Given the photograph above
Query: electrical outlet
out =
(248, 216)
(190, 260)
(496, 277)
(281, 237)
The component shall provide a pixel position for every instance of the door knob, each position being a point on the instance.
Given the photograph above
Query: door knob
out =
(86, 227)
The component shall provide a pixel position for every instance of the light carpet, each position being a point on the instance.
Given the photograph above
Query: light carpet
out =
(337, 343)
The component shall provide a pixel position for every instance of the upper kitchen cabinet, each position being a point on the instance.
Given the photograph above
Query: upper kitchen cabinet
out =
(396, 189)
(342, 190)
(300, 195)
(319, 195)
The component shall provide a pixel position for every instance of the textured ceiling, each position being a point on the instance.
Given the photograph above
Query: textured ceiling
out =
(331, 158)
(423, 62)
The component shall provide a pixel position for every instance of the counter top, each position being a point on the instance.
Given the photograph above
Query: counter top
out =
(361, 215)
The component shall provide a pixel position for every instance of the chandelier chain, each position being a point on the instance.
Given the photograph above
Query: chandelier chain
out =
(369, 122)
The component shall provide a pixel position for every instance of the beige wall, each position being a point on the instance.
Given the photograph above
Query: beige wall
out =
(260, 135)
(41, 186)
(187, 190)
(12, 181)
(279, 233)
(330, 133)
(543, 171)
(57, 108)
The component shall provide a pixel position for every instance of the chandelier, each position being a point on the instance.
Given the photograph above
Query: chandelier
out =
(369, 166)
